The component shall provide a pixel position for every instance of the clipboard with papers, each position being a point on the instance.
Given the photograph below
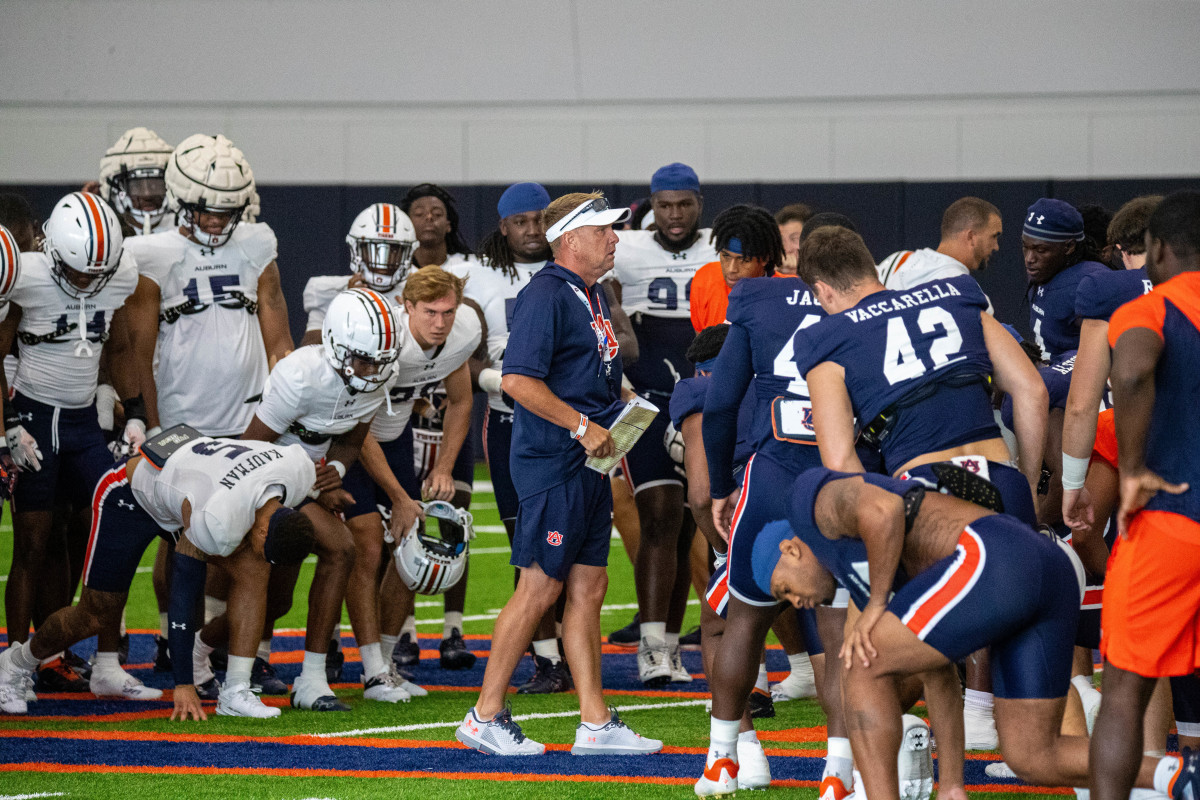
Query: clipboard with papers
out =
(631, 423)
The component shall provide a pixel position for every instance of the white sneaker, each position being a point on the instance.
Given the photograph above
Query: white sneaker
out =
(119, 683)
(795, 687)
(314, 694)
(753, 770)
(1090, 697)
(720, 778)
(615, 738)
(679, 673)
(860, 788)
(999, 770)
(499, 736)
(30, 694)
(654, 662)
(386, 688)
(239, 701)
(915, 760)
(979, 725)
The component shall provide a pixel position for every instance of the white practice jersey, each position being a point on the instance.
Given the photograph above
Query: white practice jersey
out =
(211, 359)
(224, 481)
(906, 269)
(419, 371)
(305, 399)
(654, 281)
(321, 289)
(496, 293)
(61, 336)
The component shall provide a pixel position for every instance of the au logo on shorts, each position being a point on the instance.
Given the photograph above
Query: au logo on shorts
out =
(554, 538)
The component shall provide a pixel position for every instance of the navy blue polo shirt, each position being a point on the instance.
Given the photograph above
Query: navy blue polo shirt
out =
(553, 337)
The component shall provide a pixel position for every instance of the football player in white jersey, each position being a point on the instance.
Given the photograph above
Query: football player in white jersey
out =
(231, 501)
(654, 271)
(208, 296)
(381, 241)
(324, 397)
(438, 342)
(64, 308)
(132, 180)
(435, 217)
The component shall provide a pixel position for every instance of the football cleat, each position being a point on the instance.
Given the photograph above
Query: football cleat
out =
(614, 738)
(630, 635)
(264, 680)
(832, 788)
(407, 652)
(679, 673)
(209, 690)
(754, 772)
(794, 687)
(761, 705)
(999, 769)
(386, 687)
(56, 676)
(654, 662)
(81, 667)
(119, 683)
(720, 778)
(915, 760)
(499, 736)
(454, 653)
(240, 701)
(1185, 783)
(13, 686)
(162, 661)
(312, 696)
(548, 678)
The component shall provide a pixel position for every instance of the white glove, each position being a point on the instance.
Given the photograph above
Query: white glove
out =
(106, 401)
(131, 439)
(24, 448)
(490, 379)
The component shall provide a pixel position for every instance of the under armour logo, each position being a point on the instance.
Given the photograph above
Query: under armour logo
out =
(1030, 217)
(678, 256)
(208, 251)
(123, 504)
(25, 416)
(554, 538)
(1040, 218)
(182, 626)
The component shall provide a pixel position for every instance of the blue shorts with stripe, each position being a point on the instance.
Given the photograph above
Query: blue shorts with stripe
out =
(1006, 587)
(368, 497)
(120, 533)
(74, 453)
(1014, 489)
(717, 596)
(565, 525)
(649, 463)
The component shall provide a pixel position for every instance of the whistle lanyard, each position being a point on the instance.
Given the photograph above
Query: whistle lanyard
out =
(598, 327)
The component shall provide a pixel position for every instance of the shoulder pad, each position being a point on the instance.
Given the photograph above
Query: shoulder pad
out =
(257, 241)
(321, 289)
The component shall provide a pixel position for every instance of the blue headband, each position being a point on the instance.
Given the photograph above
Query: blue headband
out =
(706, 366)
(522, 197)
(764, 556)
(675, 177)
(734, 245)
(1053, 221)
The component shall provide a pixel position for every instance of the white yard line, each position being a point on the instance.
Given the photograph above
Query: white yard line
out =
(424, 726)
(30, 796)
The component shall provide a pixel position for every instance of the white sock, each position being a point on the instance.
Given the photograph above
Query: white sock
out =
(547, 648)
(164, 627)
(237, 673)
(654, 630)
(372, 660)
(122, 631)
(202, 671)
(387, 645)
(801, 665)
(22, 659)
(722, 738)
(839, 760)
(982, 702)
(672, 640)
(1166, 769)
(1155, 753)
(106, 662)
(212, 608)
(313, 668)
(748, 736)
(264, 650)
(409, 627)
(762, 682)
(453, 619)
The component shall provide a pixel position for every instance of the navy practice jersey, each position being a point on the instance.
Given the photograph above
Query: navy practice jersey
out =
(688, 399)
(1056, 376)
(764, 315)
(1052, 309)
(846, 559)
(560, 333)
(1101, 294)
(919, 353)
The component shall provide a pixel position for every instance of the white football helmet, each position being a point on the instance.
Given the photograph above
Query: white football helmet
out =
(84, 242)
(381, 239)
(132, 177)
(431, 563)
(253, 208)
(10, 264)
(361, 330)
(207, 174)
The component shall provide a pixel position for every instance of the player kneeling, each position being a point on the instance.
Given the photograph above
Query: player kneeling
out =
(213, 498)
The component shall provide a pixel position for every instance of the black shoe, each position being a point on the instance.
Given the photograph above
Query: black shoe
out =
(209, 690)
(162, 661)
(58, 677)
(264, 680)
(548, 678)
(123, 649)
(219, 659)
(454, 652)
(761, 705)
(630, 635)
(407, 652)
(82, 668)
(690, 640)
(334, 660)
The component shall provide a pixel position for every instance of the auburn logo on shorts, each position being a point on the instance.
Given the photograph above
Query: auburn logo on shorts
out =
(554, 538)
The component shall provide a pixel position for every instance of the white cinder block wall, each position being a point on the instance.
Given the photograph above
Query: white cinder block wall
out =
(564, 91)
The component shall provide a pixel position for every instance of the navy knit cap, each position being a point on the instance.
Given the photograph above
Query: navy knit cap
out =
(675, 177)
(522, 197)
(1053, 221)
(764, 556)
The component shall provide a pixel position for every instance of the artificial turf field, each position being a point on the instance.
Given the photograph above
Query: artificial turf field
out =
(80, 747)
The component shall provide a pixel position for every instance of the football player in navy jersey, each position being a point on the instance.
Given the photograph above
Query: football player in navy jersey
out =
(652, 276)
(1056, 260)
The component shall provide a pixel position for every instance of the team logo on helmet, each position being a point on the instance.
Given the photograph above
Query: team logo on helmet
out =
(381, 239)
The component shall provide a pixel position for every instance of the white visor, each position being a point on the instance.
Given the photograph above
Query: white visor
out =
(593, 212)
